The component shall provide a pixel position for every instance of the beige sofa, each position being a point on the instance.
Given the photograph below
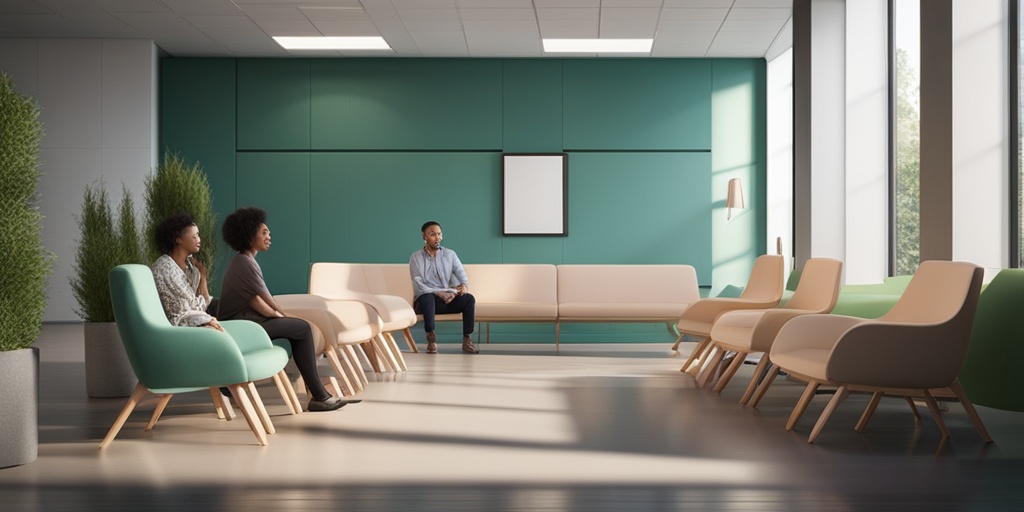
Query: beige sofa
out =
(534, 293)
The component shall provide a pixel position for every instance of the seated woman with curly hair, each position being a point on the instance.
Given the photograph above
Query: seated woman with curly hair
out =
(244, 295)
(180, 279)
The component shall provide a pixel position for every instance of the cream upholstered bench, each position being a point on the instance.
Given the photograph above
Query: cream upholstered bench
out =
(624, 293)
(529, 292)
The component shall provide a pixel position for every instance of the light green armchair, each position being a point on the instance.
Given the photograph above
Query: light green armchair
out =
(169, 359)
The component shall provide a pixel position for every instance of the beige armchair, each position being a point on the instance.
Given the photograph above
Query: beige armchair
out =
(916, 349)
(747, 332)
(763, 290)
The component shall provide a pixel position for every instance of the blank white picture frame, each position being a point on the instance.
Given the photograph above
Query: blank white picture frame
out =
(535, 194)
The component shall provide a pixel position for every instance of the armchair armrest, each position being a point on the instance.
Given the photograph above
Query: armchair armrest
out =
(249, 336)
(768, 328)
(817, 331)
(190, 356)
(890, 355)
(708, 310)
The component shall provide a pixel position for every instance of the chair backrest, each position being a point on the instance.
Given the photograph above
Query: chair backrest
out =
(991, 375)
(334, 280)
(138, 312)
(937, 293)
(513, 283)
(388, 279)
(666, 284)
(765, 283)
(818, 288)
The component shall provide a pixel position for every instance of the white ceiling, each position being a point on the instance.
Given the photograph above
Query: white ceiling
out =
(413, 28)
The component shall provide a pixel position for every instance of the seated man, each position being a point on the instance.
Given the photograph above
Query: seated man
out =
(433, 269)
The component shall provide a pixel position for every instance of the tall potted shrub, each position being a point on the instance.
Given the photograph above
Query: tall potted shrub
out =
(182, 187)
(25, 265)
(102, 245)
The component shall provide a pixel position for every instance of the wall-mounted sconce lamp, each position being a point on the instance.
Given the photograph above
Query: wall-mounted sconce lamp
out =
(734, 198)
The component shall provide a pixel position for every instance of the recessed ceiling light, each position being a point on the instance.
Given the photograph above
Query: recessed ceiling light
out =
(332, 43)
(598, 45)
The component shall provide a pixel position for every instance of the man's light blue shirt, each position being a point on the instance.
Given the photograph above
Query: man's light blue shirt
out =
(432, 274)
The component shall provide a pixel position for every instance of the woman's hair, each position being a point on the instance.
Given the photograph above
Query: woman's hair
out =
(240, 227)
(169, 229)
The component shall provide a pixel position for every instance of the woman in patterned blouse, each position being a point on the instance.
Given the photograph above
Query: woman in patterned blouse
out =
(181, 280)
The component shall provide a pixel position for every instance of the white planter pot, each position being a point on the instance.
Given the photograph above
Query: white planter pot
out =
(108, 373)
(19, 403)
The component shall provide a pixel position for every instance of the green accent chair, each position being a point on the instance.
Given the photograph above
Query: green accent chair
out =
(991, 374)
(170, 359)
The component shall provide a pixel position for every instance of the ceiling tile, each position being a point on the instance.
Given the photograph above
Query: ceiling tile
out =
(334, 13)
(346, 28)
(273, 12)
(203, 7)
(566, 3)
(489, 4)
(760, 14)
(428, 14)
(694, 14)
(528, 27)
(433, 25)
(630, 14)
(22, 7)
(423, 4)
(565, 29)
(498, 14)
(301, 27)
(221, 22)
(568, 14)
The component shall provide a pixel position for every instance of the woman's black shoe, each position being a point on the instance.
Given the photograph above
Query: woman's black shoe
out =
(329, 404)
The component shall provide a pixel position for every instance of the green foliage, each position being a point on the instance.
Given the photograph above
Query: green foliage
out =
(25, 263)
(181, 187)
(908, 167)
(101, 248)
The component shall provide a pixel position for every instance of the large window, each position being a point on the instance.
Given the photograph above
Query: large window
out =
(906, 130)
(1016, 130)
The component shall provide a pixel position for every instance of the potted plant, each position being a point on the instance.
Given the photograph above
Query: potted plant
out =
(101, 247)
(26, 265)
(182, 187)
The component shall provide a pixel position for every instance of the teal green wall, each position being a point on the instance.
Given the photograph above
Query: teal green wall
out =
(350, 156)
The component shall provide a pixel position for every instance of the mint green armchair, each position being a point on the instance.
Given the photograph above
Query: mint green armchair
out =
(169, 359)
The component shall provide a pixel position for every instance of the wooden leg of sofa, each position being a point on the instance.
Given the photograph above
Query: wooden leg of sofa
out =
(409, 341)
(158, 411)
(972, 413)
(242, 398)
(869, 411)
(558, 331)
(136, 397)
(837, 399)
(801, 405)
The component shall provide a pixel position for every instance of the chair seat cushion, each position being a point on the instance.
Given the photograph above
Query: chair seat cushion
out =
(263, 364)
(811, 362)
(497, 311)
(616, 311)
(735, 328)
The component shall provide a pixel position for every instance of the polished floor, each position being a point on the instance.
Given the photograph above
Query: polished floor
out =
(598, 427)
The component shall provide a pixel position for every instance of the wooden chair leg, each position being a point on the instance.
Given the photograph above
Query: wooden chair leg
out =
(348, 389)
(221, 404)
(913, 408)
(158, 411)
(869, 411)
(696, 355)
(352, 358)
(801, 405)
(675, 346)
(371, 356)
(972, 413)
(393, 346)
(717, 354)
(385, 357)
(558, 332)
(138, 394)
(766, 382)
(754, 379)
(287, 391)
(242, 398)
(410, 341)
(260, 409)
(837, 399)
(936, 413)
(737, 362)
